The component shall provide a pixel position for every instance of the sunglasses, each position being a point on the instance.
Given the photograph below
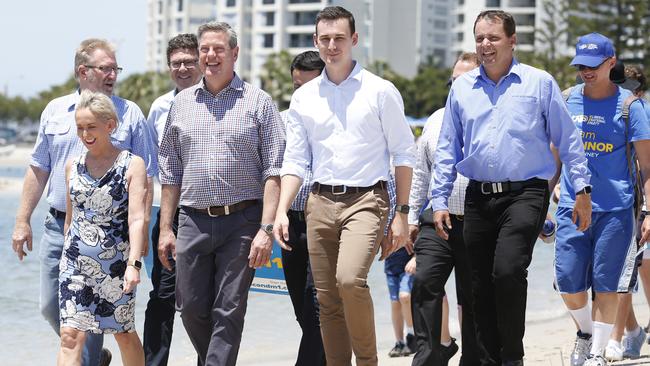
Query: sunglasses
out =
(589, 68)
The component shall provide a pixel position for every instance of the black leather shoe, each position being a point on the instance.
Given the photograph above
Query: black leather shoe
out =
(446, 353)
(513, 363)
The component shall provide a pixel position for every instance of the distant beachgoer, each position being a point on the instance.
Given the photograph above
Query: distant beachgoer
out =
(601, 257)
(499, 122)
(104, 237)
(295, 262)
(96, 69)
(399, 268)
(182, 60)
(220, 159)
(436, 257)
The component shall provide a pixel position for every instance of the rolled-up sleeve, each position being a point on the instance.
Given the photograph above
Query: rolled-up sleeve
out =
(421, 181)
(448, 152)
(169, 154)
(566, 138)
(40, 157)
(273, 139)
(399, 137)
(297, 154)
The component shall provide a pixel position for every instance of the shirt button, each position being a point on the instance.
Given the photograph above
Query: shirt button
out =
(213, 177)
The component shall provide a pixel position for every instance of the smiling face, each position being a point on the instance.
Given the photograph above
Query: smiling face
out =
(334, 41)
(599, 75)
(93, 78)
(93, 132)
(217, 60)
(493, 46)
(183, 67)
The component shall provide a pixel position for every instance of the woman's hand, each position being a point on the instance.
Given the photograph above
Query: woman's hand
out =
(131, 279)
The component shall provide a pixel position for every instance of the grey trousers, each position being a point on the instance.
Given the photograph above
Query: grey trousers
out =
(213, 279)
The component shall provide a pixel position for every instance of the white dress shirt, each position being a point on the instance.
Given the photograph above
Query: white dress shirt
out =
(158, 114)
(348, 131)
(422, 181)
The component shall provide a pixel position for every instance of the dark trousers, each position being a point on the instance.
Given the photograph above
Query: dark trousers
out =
(435, 258)
(159, 316)
(213, 279)
(500, 233)
(300, 283)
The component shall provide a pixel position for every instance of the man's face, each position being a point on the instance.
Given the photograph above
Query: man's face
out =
(493, 47)
(99, 74)
(334, 41)
(183, 68)
(598, 75)
(216, 58)
(300, 77)
(462, 67)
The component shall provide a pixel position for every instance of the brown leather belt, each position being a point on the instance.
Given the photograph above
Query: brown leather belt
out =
(337, 190)
(214, 211)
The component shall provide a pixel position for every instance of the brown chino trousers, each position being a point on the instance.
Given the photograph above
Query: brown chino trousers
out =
(343, 235)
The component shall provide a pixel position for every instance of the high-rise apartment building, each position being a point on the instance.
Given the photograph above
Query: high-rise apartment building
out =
(401, 33)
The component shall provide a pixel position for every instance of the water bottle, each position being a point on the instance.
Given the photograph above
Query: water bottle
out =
(548, 231)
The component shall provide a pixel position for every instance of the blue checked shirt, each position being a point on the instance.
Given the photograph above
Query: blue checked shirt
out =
(57, 141)
(220, 149)
(301, 198)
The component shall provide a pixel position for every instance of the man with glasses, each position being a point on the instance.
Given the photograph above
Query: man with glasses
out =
(602, 257)
(95, 69)
(499, 121)
(182, 60)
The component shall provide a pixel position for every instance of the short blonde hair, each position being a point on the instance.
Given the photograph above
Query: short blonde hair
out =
(86, 48)
(100, 105)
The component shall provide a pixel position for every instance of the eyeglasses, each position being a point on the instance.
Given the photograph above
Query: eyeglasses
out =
(106, 70)
(589, 68)
(189, 64)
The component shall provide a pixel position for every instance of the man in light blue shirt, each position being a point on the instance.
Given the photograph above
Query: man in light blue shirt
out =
(95, 69)
(499, 122)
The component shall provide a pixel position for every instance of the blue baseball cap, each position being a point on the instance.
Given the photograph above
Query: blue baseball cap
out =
(592, 49)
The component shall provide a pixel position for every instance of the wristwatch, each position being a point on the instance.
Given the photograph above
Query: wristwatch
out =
(402, 208)
(585, 190)
(134, 263)
(267, 228)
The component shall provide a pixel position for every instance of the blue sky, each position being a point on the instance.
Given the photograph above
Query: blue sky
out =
(39, 38)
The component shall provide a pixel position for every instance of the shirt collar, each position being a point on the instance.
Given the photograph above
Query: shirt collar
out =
(355, 74)
(74, 99)
(515, 68)
(236, 84)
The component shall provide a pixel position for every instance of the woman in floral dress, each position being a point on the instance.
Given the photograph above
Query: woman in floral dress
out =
(104, 226)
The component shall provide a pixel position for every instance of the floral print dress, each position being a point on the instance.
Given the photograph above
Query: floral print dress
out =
(96, 250)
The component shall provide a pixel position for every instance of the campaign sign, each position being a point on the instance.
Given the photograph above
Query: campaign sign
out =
(270, 277)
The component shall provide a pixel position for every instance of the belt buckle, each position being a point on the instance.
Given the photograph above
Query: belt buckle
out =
(210, 212)
(495, 187)
(344, 191)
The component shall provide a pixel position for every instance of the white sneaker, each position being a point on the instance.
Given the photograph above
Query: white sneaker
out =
(613, 352)
(597, 360)
(581, 349)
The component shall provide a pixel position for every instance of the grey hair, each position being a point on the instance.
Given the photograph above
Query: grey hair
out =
(100, 105)
(219, 27)
(86, 48)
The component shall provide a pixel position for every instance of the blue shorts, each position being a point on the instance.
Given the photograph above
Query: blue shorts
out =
(601, 257)
(399, 283)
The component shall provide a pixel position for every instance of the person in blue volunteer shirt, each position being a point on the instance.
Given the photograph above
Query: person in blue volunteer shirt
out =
(601, 257)
(498, 124)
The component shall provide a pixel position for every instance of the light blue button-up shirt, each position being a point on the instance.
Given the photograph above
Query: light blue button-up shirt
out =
(497, 132)
(57, 141)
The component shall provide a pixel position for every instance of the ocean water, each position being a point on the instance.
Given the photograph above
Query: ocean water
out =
(271, 334)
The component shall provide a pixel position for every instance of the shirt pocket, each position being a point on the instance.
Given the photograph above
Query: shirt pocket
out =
(57, 127)
(524, 112)
(120, 136)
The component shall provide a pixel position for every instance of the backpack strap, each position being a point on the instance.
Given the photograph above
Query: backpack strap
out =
(631, 165)
(566, 93)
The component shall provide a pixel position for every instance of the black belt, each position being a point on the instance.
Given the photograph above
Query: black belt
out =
(56, 213)
(337, 190)
(298, 215)
(214, 211)
(504, 187)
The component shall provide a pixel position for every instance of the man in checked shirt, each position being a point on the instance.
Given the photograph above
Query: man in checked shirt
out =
(220, 157)
(436, 257)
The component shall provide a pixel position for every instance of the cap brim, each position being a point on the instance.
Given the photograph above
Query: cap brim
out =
(629, 84)
(590, 61)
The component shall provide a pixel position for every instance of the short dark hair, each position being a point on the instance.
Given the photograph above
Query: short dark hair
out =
(508, 21)
(182, 41)
(334, 13)
(470, 57)
(308, 61)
